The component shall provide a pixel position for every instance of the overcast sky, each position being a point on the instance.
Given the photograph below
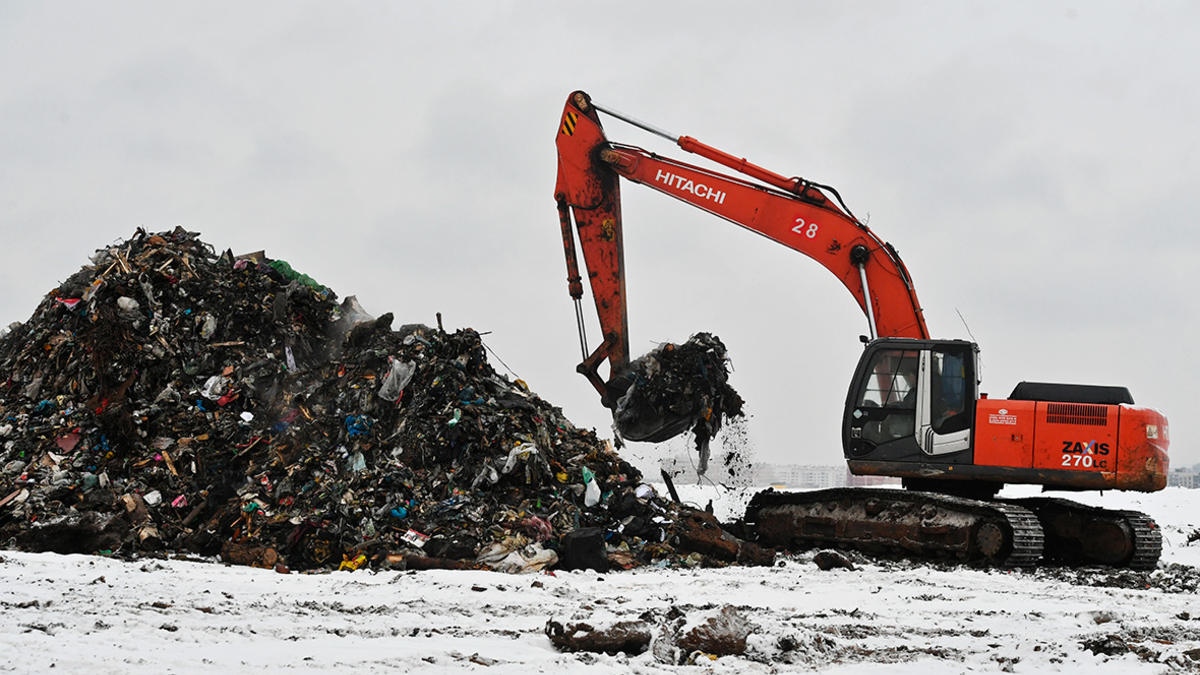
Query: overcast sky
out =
(1036, 164)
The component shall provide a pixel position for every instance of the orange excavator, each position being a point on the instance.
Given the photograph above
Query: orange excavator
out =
(913, 409)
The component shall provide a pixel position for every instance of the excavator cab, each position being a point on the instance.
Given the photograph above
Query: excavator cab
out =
(913, 411)
(911, 400)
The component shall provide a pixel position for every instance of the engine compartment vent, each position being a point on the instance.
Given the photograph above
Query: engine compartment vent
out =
(1077, 413)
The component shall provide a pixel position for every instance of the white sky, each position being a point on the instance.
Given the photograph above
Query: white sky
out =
(1035, 164)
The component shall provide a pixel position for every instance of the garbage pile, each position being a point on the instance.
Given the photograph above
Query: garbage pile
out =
(676, 388)
(168, 398)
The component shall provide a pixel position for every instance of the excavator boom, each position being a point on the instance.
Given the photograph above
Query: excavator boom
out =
(790, 211)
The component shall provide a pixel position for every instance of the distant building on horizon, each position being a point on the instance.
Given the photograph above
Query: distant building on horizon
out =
(1184, 477)
(810, 476)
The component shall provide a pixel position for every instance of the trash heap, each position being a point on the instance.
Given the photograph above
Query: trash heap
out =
(167, 398)
(676, 388)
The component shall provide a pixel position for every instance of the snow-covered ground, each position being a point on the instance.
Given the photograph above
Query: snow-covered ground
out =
(96, 615)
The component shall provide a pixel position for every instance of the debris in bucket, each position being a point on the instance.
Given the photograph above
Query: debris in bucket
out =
(675, 388)
(168, 399)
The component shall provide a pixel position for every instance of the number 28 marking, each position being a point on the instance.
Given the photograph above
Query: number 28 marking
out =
(807, 229)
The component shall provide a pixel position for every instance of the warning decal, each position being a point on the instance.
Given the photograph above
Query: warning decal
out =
(568, 125)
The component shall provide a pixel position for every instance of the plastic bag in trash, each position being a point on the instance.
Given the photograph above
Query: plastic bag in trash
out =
(515, 555)
(214, 388)
(591, 494)
(522, 451)
(400, 373)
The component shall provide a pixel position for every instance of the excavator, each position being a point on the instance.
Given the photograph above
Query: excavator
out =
(913, 409)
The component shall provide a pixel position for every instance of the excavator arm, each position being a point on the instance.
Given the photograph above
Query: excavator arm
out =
(790, 211)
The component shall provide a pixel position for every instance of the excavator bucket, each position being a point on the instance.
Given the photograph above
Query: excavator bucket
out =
(641, 421)
(675, 388)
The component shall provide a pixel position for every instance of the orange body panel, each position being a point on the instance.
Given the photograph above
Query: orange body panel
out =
(1123, 446)
(1142, 448)
(1004, 432)
(1076, 437)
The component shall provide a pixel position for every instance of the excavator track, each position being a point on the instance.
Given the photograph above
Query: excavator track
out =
(914, 524)
(1078, 534)
(1028, 538)
(1148, 540)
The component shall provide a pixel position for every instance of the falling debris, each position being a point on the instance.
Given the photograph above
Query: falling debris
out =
(169, 398)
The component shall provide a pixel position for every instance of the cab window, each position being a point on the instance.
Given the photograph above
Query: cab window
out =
(887, 401)
(893, 379)
(951, 391)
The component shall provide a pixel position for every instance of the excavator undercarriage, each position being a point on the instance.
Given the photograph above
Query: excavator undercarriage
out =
(1011, 533)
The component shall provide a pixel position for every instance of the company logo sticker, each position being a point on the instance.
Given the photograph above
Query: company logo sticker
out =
(1001, 416)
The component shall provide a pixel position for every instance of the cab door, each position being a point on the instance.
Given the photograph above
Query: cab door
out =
(945, 398)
